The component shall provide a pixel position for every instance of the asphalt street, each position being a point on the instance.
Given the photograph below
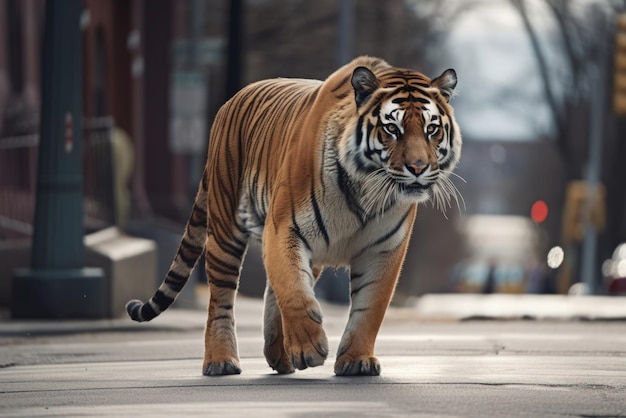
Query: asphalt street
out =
(431, 367)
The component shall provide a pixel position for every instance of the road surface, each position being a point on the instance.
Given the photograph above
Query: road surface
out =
(430, 368)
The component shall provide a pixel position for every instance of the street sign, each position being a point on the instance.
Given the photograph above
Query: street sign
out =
(584, 205)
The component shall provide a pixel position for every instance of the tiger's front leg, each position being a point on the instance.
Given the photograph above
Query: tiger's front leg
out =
(274, 349)
(373, 278)
(295, 338)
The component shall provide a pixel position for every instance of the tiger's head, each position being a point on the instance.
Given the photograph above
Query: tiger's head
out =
(406, 142)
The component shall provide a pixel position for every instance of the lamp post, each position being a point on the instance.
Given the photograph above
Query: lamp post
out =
(58, 285)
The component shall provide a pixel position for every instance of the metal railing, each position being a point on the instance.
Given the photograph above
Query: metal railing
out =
(18, 180)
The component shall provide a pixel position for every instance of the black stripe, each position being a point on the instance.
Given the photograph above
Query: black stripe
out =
(295, 229)
(371, 151)
(411, 98)
(308, 274)
(241, 243)
(175, 284)
(358, 310)
(375, 63)
(189, 262)
(363, 286)
(318, 216)
(176, 277)
(386, 236)
(200, 209)
(419, 100)
(198, 217)
(221, 270)
(347, 189)
(400, 100)
(191, 246)
(199, 223)
(241, 228)
(393, 231)
(147, 312)
(229, 248)
(359, 131)
(223, 284)
(451, 135)
(311, 98)
(195, 251)
(162, 300)
(221, 266)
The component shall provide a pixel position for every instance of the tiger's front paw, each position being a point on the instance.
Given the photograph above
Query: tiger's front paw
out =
(305, 341)
(359, 366)
(277, 358)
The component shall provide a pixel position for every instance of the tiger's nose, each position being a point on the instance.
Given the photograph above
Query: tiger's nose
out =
(417, 167)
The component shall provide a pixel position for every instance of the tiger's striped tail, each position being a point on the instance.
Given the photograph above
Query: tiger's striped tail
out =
(189, 251)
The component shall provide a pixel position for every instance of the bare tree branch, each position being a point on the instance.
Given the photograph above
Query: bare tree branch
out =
(553, 103)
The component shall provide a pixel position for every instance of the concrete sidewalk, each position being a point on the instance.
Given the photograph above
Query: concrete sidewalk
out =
(431, 307)
(433, 365)
(503, 306)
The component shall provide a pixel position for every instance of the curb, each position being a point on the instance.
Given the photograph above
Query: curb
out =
(539, 307)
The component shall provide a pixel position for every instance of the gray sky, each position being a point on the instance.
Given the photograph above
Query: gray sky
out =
(500, 95)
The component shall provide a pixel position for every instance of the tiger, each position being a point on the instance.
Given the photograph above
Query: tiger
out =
(322, 174)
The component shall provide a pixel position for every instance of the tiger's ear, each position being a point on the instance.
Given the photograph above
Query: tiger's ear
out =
(446, 83)
(364, 83)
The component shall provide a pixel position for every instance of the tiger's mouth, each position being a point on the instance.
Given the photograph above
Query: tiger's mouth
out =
(414, 188)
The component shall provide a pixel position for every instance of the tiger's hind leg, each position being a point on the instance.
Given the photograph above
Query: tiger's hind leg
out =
(223, 261)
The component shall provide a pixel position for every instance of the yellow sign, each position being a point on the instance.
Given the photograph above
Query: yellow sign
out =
(619, 73)
(584, 205)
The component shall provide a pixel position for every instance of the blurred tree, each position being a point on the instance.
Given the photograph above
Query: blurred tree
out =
(300, 38)
(568, 84)
(584, 30)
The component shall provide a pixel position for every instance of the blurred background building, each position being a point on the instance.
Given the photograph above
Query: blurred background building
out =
(535, 104)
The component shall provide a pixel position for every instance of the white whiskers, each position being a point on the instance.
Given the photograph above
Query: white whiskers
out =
(378, 189)
(444, 191)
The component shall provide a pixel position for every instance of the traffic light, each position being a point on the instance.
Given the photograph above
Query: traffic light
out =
(539, 211)
(619, 74)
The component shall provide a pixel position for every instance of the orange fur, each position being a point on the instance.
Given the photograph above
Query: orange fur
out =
(323, 173)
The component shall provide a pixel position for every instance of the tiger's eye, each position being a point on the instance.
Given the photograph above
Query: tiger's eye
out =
(432, 129)
(391, 129)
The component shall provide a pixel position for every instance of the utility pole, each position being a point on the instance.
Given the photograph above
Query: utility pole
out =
(58, 285)
(589, 270)
(589, 265)
(345, 32)
(235, 46)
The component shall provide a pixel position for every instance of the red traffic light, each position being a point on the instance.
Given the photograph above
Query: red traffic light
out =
(539, 211)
